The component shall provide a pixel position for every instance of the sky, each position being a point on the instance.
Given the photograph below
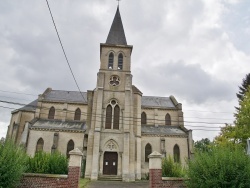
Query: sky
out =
(195, 50)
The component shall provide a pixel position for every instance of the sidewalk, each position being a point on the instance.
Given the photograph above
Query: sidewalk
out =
(118, 184)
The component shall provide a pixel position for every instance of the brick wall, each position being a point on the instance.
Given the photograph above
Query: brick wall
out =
(56, 181)
(174, 182)
(51, 181)
(155, 174)
(157, 181)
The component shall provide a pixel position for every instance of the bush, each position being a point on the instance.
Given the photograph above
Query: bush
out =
(12, 164)
(171, 169)
(46, 163)
(220, 167)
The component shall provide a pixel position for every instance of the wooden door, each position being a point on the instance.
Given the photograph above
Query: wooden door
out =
(110, 161)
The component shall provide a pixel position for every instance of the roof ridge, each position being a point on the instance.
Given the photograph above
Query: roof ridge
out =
(68, 91)
(154, 96)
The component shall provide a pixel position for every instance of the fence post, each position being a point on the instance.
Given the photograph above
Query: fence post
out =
(74, 168)
(155, 170)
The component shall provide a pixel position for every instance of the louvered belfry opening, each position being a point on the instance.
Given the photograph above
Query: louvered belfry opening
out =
(108, 117)
(143, 118)
(167, 119)
(111, 60)
(148, 151)
(116, 117)
(51, 113)
(120, 61)
(77, 114)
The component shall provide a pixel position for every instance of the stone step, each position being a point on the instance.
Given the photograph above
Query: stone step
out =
(109, 178)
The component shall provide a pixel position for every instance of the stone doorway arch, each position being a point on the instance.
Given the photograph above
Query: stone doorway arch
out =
(110, 158)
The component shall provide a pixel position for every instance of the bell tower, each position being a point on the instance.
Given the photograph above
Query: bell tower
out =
(115, 58)
(112, 117)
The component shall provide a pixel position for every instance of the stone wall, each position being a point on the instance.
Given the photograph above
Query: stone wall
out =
(155, 174)
(56, 181)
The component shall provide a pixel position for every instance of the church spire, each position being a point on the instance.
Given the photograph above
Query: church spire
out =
(116, 34)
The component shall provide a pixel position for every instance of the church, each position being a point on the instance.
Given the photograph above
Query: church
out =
(115, 125)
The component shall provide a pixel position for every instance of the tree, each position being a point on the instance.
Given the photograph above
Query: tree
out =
(243, 89)
(202, 145)
(12, 164)
(238, 134)
(227, 136)
(224, 167)
(242, 122)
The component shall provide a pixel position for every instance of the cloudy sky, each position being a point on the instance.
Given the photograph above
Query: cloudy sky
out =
(196, 50)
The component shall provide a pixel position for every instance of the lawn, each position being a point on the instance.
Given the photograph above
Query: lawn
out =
(83, 182)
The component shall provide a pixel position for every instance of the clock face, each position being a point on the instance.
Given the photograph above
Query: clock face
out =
(114, 80)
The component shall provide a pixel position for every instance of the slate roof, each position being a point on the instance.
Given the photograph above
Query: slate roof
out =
(162, 130)
(31, 107)
(59, 125)
(75, 96)
(66, 96)
(136, 90)
(160, 102)
(116, 34)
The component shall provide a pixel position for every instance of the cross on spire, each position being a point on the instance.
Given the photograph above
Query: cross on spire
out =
(118, 1)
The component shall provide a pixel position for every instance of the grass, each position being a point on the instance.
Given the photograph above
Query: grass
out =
(83, 182)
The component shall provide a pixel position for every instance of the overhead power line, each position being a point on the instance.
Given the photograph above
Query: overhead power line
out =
(101, 115)
(183, 109)
(63, 48)
(20, 93)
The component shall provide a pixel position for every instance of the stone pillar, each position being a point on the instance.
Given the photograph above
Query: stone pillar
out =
(125, 158)
(74, 171)
(155, 171)
(138, 158)
(96, 154)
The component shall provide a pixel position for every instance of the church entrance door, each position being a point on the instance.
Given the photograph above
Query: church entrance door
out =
(110, 161)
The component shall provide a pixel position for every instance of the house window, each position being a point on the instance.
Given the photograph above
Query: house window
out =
(176, 153)
(70, 147)
(148, 151)
(111, 61)
(143, 118)
(51, 113)
(77, 114)
(112, 115)
(39, 145)
(120, 61)
(167, 120)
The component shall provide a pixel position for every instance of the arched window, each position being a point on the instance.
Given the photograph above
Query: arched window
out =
(120, 61)
(39, 145)
(51, 113)
(70, 147)
(148, 151)
(143, 118)
(77, 114)
(176, 153)
(112, 115)
(111, 61)
(108, 117)
(116, 117)
(167, 120)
